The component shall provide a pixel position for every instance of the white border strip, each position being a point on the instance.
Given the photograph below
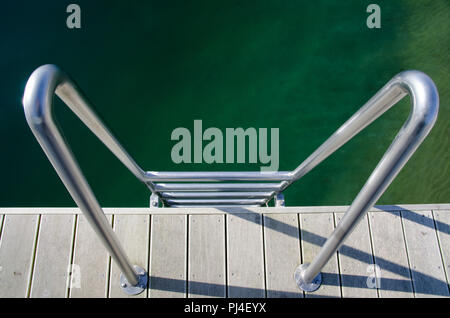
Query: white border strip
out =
(225, 210)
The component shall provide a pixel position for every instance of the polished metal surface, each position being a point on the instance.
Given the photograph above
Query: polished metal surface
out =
(215, 195)
(154, 200)
(138, 288)
(279, 199)
(425, 106)
(214, 202)
(304, 285)
(46, 81)
(215, 187)
(191, 189)
(219, 176)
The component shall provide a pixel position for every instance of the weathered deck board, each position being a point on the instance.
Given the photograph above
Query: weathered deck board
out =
(225, 252)
(390, 254)
(282, 254)
(17, 247)
(356, 262)
(53, 254)
(90, 265)
(442, 220)
(424, 254)
(206, 266)
(245, 256)
(133, 232)
(168, 256)
(222, 211)
(315, 229)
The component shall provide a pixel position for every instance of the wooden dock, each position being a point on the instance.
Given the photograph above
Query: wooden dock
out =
(395, 251)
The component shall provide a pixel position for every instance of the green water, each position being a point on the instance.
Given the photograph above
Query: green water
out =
(151, 66)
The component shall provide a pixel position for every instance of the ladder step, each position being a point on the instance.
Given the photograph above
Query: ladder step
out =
(215, 202)
(252, 187)
(216, 195)
(236, 206)
(152, 176)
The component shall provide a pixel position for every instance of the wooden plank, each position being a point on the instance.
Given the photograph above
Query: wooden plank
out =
(245, 256)
(16, 254)
(390, 255)
(53, 254)
(133, 233)
(356, 262)
(315, 229)
(424, 256)
(282, 254)
(90, 263)
(206, 266)
(168, 256)
(442, 221)
(225, 210)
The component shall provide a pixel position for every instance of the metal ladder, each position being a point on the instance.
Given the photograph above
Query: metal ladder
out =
(226, 189)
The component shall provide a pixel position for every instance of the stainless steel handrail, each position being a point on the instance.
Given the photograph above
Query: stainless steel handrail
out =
(425, 106)
(48, 80)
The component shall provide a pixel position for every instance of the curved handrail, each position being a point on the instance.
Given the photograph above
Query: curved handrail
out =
(425, 107)
(46, 81)
(425, 104)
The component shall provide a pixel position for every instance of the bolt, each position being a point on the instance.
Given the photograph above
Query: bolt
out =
(123, 285)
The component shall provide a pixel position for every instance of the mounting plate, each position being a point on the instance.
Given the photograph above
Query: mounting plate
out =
(140, 287)
(154, 201)
(307, 287)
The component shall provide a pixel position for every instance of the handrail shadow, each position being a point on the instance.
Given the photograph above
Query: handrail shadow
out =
(437, 287)
(219, 290)
(412, 216)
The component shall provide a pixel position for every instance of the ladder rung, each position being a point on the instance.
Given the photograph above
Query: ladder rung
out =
(215, 202)
(215, 206)
(152, 176)
(253, 187)
(216, 195)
